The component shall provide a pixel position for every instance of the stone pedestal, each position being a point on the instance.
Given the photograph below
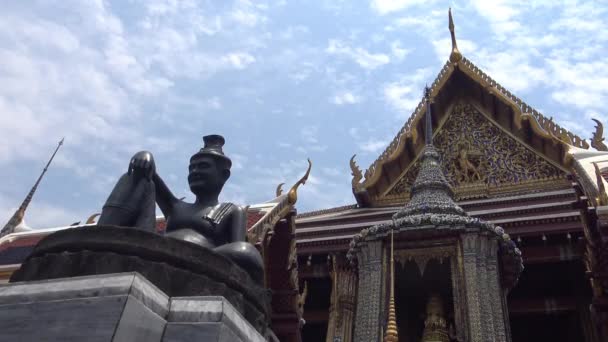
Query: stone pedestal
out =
(115, 307)
(177, 268)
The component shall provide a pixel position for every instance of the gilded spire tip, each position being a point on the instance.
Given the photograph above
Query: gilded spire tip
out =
(455, 56)
(392, 333)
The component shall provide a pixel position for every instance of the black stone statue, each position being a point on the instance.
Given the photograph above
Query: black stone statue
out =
(206, 222)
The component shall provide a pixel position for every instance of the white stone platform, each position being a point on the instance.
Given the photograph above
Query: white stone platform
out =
(115, 307)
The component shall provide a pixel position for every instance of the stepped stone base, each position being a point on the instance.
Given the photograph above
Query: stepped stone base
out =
(115, 307)
(178, 268)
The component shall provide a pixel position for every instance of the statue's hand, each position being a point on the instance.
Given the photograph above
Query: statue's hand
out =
(142, 165)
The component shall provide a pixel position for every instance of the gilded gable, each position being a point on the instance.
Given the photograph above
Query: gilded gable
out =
(478, 156)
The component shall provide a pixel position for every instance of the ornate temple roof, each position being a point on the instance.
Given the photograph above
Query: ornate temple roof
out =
(460, 81)
(432, 210)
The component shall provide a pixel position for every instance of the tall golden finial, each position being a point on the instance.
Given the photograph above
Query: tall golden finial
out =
(455, 56)
(392, 335)
(18, 216)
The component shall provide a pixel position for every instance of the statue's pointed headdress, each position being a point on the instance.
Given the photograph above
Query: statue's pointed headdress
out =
(213, 147)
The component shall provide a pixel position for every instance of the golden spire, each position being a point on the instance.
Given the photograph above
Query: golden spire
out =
(455, 56)
(18, 216)
(392, 334)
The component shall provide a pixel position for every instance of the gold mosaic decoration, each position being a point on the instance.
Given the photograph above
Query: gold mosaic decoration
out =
(476, 152)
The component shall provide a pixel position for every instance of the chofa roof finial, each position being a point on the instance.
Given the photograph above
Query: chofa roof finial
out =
(455, 56)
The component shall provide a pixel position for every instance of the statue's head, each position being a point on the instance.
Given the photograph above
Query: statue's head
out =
(209, 168)
(434, 306)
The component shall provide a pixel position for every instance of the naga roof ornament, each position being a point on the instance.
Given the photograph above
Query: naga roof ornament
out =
(597, 140)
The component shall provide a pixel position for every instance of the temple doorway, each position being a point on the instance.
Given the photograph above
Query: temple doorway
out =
(415, 283)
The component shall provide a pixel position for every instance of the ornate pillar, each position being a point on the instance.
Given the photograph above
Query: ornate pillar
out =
(367, 322)
(470, 247)
(459, 296)
(497, 294)
(485, 307)
(342, 303)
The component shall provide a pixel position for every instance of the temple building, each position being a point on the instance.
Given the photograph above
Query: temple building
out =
(483, 220)
(508, 165)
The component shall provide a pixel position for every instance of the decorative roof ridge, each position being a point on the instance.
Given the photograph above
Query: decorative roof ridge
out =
(418, 112)
(457, 60)
(546, 123)
(431, 192)
(326, 211)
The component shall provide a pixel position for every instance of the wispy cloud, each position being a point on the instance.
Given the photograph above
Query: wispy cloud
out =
(373, 146)
(404, 94)
(361, 56)
(345, 98)
(388, 6)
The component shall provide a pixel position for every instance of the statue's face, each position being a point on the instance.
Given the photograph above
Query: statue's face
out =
(205, 175)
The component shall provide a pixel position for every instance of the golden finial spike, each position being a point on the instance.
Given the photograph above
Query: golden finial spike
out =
(279, 190)
(392, 335)
(455, 56)
(18, 216)
(293, 192)
(92, 218)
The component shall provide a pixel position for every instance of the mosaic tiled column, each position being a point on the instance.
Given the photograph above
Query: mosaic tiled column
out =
(367, 321)
(470, 248)
(497, 302)
(485, 306)
(341, 315)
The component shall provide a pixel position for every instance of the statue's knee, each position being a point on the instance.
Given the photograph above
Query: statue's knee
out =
(245, 255)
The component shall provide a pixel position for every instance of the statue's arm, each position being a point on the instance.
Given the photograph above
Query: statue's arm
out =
(164, 197)
(238, 220)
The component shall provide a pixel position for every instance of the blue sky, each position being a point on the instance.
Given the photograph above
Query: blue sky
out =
(281, 80)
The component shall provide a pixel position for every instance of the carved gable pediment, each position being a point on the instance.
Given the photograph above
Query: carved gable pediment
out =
(479, 158)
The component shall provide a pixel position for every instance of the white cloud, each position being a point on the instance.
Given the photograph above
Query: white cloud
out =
(345, 98)
(582, 85)
(398, 51)
(362, 57)
(331, 171)
(403, 95)
(240, 60)
(513, 69)
(373, 146)
(245, 13)
(388, 6)
(292, 31)
(309, 134)
(501, 14)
